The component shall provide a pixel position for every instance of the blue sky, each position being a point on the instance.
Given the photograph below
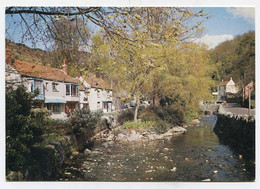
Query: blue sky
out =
(224, 25)
(225, 22)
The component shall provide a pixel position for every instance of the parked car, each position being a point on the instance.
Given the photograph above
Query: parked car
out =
(124, 106)
(132, 103)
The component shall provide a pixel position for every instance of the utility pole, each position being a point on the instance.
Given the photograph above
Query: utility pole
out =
(249, 98)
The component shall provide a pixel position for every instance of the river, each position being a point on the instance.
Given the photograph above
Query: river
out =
(197, 155)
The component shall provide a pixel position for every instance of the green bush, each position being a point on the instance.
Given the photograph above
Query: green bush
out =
(22, 131)
(191, 114)
(40, 114)
(169, 114)
(140, 125)
(148, 115)
(126, 115)
(84, 119)
(161, 127)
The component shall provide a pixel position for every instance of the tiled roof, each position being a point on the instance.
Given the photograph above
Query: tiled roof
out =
(40, 71)
(96, 82)
(223, 83)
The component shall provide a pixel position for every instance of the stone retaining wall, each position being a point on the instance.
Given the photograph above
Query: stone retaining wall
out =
(237, 131)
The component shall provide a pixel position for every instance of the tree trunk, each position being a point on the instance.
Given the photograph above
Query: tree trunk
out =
(136, 108)
(156, 100)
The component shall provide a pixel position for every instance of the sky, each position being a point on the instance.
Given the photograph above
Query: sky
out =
(224, 24)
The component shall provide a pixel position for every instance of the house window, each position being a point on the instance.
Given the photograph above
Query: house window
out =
(49, 107)
(56, 108)
(98, 104)
(55, 87)
(74, 90)
(98, 93)
(38, 86)
(67, 89)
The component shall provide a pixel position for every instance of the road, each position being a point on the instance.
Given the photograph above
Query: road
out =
(237, 109)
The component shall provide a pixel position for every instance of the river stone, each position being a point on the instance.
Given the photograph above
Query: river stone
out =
(195, 122)
(110, 137)
(87, 152)
(134, 136)
(166, 149)
(155, 136)
(179, 129)
(121, 137)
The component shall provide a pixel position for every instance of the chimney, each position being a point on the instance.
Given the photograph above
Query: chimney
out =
(222, 80)
(64, 67)
(8, 56)
(230, 78)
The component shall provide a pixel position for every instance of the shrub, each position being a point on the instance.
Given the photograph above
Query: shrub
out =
(140, 125)
(169, 114)
(148, 115)
(126, 115)
(161, 127)
(40, 114)
(84, 119)
(22, 131)
(191, 114)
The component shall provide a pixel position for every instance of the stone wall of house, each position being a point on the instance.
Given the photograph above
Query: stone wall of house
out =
(237, 131)
(12, 77)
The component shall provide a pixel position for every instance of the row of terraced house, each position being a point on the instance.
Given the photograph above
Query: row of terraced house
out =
(57, 91)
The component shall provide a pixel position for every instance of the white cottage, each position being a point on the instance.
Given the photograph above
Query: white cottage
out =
(97, 92)
(58, 92)
(226, 87)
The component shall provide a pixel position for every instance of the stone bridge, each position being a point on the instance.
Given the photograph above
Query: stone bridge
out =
(209, 109)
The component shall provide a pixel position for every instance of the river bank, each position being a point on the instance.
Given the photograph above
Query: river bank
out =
(196, 155)
(237, 131)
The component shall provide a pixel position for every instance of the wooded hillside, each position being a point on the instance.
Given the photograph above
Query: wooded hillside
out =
(236, 59)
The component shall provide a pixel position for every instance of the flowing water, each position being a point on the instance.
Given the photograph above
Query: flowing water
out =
(196, 155)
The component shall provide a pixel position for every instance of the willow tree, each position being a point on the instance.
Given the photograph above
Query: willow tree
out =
(156, 53)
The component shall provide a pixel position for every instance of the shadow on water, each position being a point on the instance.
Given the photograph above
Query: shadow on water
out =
(194, 156)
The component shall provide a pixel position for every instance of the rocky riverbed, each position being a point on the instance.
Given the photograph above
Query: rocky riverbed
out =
(121, 135)
(131, 155)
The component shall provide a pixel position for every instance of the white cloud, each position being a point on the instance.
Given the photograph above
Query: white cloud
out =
(248, 13)
(213, 40)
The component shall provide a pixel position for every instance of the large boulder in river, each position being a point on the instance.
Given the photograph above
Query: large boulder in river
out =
(195, 122)
(134, 136)
(121, 137)
(174, 130)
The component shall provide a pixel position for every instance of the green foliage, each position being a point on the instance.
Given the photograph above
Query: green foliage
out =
(22, 131)
(161, 127)
(191, 114)
(170, 114)
(84, 119)
(236, 59)
(148, 115)
(40, 114)
(156, 62)
(139, 125)
(124, 116)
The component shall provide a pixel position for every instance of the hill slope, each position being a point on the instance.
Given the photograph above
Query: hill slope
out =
(236, 59)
